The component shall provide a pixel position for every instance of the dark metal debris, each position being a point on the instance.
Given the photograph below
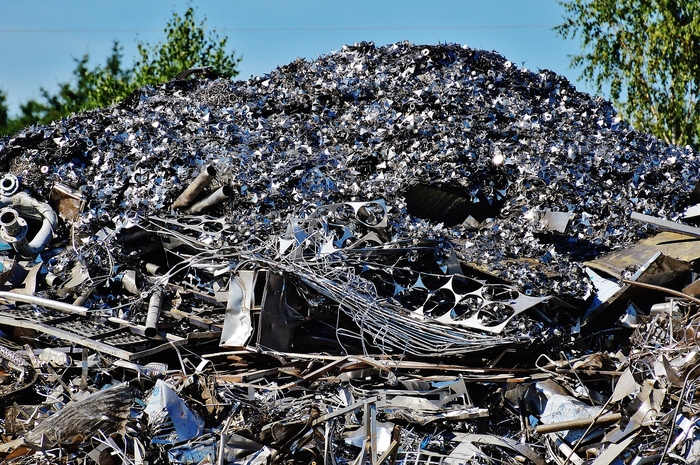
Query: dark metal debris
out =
(399, 254)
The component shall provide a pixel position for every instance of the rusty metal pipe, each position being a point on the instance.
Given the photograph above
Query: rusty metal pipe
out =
(200, 182)
(223, 193)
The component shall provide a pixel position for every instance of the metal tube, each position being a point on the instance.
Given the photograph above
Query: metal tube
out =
(223, 440)
(14, 228)
(53, 280)
(45, 234)
(153, 269)
(42, 302)
(140, 329)
(154, 307)
(200, 182)
(218, 196)
(666, 224)
(22, 199)
(577, 424)
(83, 297)
(9, 185)
(84, 366)
(129, 282)
(22, 245)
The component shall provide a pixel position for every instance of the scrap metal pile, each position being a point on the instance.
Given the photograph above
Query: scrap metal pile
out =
(401, 254)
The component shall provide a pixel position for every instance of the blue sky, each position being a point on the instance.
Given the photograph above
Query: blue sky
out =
(39, 39)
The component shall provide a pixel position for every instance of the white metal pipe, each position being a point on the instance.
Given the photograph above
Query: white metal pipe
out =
(218, 196)
(23, 246)
(42, 302)
(154, 307)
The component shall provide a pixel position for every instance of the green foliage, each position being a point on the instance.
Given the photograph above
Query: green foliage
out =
(648, 52)
(186, 46)
(107, 84)
(3, 109)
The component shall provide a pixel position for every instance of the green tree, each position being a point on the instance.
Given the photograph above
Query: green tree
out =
(4, 113)
(648, 52)
(54, 106)
(187, 45)
(105, 85)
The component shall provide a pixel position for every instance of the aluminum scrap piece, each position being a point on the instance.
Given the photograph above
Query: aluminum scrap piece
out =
(389, 327)
(19, 374)
(105, 410)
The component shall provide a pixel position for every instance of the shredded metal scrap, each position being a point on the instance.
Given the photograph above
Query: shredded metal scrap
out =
(398, 254)
(411, 125)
